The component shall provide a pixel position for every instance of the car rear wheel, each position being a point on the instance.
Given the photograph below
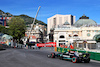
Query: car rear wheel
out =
(87, 60)
(74, 59)
(79, 60)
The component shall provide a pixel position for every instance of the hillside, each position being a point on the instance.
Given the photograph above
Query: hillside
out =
(5, 14)
(27, 19)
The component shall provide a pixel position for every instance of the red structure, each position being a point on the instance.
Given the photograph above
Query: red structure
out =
(3, 20)
(49, 44)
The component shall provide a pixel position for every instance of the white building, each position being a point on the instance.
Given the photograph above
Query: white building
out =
(80, 34)
(34, 35)
(68, 35)
(58, 20)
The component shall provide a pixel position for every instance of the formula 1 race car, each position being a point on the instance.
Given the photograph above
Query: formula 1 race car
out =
(53, 55)
(74, 56)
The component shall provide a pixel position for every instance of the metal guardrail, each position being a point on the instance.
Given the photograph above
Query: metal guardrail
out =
(47, 48)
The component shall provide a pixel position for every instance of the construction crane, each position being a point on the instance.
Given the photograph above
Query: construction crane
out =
(33, 22)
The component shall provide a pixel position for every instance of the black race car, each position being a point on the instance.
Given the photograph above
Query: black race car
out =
(54, 55)
(74, 56)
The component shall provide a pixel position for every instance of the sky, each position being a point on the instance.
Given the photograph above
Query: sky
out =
(49, 8)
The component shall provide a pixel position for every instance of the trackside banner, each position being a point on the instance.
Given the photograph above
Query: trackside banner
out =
(40, 44)
(49, 44)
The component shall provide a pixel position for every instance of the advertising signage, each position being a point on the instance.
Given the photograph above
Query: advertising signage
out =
(49, 44)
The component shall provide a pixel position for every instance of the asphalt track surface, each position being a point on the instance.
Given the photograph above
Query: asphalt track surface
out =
(36, 58)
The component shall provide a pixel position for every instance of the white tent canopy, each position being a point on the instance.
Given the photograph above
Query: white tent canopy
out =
(7, 36)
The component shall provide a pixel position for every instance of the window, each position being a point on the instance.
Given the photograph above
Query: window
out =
(61, 40)
(62, 36)
(61, 44)
(76, 31)
(80, 45)
(88, 30)
(84, 45)
(88, 34)
(70, 36)
(75, 35)
(95, 31)
(92, 46)
(73, 31)
(98, 30)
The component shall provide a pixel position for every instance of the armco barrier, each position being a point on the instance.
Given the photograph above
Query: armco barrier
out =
(93, 55)
(47, 48)
(97, 56)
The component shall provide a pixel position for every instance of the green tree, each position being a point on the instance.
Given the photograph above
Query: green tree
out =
(4, 30)
(17, 27)
(97, 38)
(1, 28)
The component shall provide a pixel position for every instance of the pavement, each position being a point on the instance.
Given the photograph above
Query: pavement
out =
(36, 58)
(52, 49)
(94, 61)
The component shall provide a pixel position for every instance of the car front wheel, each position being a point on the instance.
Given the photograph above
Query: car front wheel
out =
(74, 59)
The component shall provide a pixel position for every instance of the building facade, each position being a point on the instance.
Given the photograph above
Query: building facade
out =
(79, 34)
(68, 35)
(58, 20)
(4, 17)
(36, 35)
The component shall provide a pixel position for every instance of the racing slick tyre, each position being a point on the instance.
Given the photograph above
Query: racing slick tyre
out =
(52, 55)
(74, 59)
(48, 56)
(79, 60)
(87, 60)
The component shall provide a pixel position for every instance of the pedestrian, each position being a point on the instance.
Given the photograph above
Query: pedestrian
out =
(11, 42)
